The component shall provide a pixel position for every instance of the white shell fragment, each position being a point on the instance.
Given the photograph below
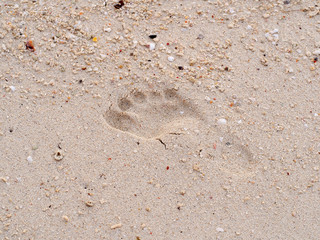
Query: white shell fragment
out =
(30, 160)
(222, 121)
(115, 226)
(170, 59)
(316, 52)
(107, 29)
(219, 229)
(152, 46)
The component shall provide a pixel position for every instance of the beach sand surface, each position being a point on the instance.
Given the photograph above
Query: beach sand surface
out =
(158, 119)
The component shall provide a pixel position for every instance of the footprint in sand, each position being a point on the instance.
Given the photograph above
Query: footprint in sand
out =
(160, 114)
(148, 114)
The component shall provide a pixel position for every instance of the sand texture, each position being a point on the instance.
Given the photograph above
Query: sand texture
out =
(160, 119)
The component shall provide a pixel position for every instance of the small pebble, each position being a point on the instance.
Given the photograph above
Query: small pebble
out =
(152, 46)
(89, 204)
(65, 218)
(220, 229)
(316, 52)
(12, 88)
(153, 36)
(115, 226)
(222, 121)
(58, 156)
(106, 29)
(289, 70)
(170, 59)
(30, 160)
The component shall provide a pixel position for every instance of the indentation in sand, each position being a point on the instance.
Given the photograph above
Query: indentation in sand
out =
(157, 114)
(145, 114)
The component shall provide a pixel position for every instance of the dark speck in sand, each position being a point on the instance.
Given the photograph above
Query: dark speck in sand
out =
(119, 5)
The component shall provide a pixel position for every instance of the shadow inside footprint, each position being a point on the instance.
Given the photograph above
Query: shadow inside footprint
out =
(145, 114)
(124, 104)
(120, 120)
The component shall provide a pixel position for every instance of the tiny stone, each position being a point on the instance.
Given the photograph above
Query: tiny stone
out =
(30, 160)
(152, 46)
(289, 70)
(106, 29)
(153, 36)
(222, 121)
(12, 88)
(220, 229)
(89, 204)
(3, 179)
(316, 52)
(170, 59)
(65, 218)
(183, 192)
(118, 225)
(58, 156)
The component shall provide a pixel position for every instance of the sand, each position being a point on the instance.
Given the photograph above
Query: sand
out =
(158, 119)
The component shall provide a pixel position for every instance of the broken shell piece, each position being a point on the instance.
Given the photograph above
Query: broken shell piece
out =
(30, 46)
(30, 160)
(58, 156)
(170, 59)
(65, 218)
(222, 121)
(89, 204)
(316, 52)
(152, 46)
(115, 226)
